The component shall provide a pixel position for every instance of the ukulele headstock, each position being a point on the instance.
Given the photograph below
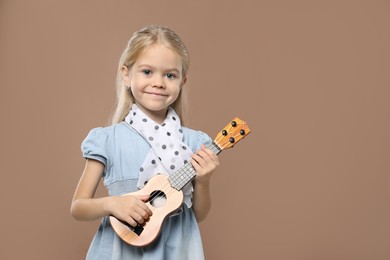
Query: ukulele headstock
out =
(232, 133)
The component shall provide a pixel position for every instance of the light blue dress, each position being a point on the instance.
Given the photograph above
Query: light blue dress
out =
(122, 150)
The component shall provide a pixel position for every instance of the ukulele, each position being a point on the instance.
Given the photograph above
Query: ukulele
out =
(165, 195)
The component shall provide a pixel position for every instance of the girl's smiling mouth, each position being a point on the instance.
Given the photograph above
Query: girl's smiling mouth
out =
(156, 94)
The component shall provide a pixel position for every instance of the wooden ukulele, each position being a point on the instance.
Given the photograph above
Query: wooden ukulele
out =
(165, 191)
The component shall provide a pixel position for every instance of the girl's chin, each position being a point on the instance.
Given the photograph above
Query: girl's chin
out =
(154, 110)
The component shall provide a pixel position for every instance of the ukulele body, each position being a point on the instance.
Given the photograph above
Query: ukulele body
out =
(164, 201)
(165, 192)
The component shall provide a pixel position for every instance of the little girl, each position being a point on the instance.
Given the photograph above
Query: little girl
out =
(146, 138)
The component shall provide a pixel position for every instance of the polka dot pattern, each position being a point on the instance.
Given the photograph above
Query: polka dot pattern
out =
(168, 153)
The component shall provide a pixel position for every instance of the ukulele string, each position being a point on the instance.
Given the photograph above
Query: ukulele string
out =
(186, 170)
(189, 171)
(167, 189)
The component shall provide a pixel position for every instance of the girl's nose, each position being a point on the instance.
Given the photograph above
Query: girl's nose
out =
(158, 82)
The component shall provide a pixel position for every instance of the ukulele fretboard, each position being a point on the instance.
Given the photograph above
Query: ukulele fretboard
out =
(186, 173)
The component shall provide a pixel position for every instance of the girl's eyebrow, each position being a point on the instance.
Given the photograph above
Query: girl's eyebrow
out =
(174, 69)
(150, 66)
(145, 65)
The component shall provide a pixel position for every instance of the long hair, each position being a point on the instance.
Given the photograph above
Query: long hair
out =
(139, 41)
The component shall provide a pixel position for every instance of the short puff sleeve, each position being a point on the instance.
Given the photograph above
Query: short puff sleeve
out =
(203, 138)
(95, 145)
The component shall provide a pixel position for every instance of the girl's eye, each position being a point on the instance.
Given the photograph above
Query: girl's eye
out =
(147, 72)
(171, 76)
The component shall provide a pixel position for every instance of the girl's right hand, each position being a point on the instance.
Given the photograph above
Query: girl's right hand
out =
(131, 209)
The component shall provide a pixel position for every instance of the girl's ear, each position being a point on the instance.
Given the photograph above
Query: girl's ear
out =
(183, 81)
(126, 76)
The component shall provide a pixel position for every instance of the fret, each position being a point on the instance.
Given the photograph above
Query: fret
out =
(187, 173)
(214, 147)
(227, 138)
(166, 193)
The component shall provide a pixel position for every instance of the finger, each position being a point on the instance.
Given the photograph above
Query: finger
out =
(198, 159)
(206, 153)
(144, 198)
(144, 211)
(141, 203)
(209, 152)
(131, 221)
(203, 158)
(196, 165)
(139, 217)
(148, 212)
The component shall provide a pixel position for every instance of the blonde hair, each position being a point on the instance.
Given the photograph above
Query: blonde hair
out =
(139, 41)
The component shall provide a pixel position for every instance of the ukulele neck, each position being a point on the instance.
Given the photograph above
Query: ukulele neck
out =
(187, 173)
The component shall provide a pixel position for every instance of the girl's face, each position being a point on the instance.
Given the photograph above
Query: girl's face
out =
(155, 80)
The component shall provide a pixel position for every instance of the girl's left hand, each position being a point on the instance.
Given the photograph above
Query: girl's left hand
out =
(205, 162)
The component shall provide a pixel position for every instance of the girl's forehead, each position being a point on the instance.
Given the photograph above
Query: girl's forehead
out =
(160, 53)
(158, 48)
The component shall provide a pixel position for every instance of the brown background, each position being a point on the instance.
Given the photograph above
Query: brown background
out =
(311, 78)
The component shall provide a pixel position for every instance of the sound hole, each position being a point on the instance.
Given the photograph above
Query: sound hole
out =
(157, 198)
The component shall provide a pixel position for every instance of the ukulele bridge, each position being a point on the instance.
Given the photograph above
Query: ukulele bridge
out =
(137, 229)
